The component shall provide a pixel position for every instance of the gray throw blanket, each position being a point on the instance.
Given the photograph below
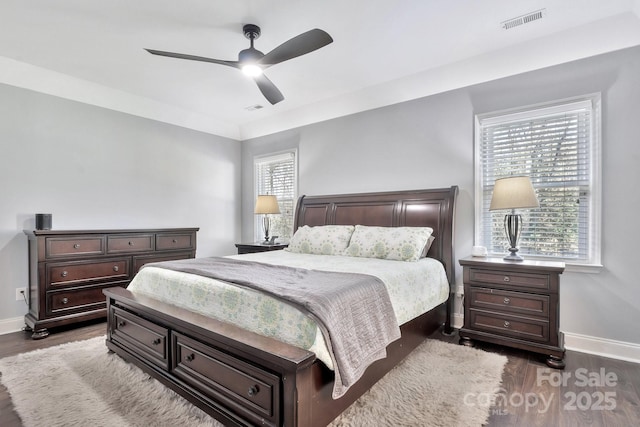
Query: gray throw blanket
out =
(353, 311)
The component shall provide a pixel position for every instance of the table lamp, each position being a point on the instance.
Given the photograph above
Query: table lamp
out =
(266, 205)
(514, 192)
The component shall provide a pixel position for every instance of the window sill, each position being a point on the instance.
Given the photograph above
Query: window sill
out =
(583, 268)
(570, 267)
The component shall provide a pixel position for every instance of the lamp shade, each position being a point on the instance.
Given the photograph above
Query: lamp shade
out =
(267, 204)
(514, 192)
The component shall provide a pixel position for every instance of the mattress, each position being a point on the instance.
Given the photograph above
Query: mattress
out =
(414, 288)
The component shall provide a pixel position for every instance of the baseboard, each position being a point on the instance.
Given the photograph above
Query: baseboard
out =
(603, 347)
(14, 324)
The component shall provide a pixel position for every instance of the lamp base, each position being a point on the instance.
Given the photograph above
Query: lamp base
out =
(265, 227)
(513, 256)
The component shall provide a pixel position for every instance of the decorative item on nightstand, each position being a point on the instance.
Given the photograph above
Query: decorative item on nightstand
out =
(514, 192)
(266, 205)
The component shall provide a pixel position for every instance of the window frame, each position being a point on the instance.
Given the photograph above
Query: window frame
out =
(594, 249)
(258, 233)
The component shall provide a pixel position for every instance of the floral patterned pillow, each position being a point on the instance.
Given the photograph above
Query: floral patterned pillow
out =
(321, 240)
(396, 243)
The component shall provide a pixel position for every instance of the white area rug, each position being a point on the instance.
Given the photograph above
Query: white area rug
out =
(80, 384)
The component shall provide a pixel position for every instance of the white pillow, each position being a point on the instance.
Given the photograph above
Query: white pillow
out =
(396, 243)
(321, 240)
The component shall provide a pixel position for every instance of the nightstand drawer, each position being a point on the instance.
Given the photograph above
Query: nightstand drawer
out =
(509, 278)
(508, 325)
(509, 302)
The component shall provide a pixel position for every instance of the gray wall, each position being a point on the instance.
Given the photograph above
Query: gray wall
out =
(428, 143)
(96, 168)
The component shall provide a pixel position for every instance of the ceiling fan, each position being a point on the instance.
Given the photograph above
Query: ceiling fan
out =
(253, 62)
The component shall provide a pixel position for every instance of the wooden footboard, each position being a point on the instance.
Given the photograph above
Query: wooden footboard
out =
(236, 376)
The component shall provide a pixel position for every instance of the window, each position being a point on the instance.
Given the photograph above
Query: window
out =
(277, 175)
(558, 147)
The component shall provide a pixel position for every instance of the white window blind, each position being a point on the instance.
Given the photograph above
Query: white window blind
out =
(277, 175)
(558, 148)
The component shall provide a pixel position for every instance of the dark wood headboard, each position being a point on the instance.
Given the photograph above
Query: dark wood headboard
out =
(417, 208)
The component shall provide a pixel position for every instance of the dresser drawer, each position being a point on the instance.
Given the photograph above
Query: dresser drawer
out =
(146, 339)
(251, 392)
(79, 273)
(56, 247)
(509, 302)
(168, 242)
(139, 261)
(137, 243)
(509, 325)
(510, 279)
(75, 300)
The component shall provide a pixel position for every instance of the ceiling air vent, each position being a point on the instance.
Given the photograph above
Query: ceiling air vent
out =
(524, 19)
(253, 107)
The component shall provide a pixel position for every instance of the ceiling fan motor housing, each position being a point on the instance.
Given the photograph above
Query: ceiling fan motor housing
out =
(249, 55)
(251, 31)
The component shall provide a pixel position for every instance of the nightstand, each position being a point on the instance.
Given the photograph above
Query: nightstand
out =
(515, 304)
(250, 248)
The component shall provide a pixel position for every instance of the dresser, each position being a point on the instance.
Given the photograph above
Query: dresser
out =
(69, 269)
(515, 304)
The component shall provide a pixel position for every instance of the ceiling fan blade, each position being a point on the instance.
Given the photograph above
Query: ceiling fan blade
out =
(268, 89)
(234, 64)
(297, 46)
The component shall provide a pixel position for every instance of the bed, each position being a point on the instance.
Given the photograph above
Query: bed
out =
(241, 377)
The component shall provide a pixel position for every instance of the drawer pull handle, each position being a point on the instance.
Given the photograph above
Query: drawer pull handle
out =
(506, 278)
(174, 241)
(190, 357)
(65, 300)
(507, 300)
(115, 268)
(76, 246)
(130, 243)
(253, 390)
(64, 274)
(121, 323)
(156, 341)
(506, 324)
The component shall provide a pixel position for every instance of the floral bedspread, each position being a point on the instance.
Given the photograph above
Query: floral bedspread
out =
(414, 288)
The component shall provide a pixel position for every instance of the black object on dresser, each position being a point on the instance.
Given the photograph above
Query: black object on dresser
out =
(250, 248)
(515, 304)
(69, 269)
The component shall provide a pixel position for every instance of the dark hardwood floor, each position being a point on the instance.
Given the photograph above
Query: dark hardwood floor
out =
(595, 391)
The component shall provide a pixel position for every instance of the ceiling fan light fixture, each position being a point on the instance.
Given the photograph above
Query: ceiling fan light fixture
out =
(252, 70)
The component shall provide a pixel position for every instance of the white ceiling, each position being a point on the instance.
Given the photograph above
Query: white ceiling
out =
(384, 52)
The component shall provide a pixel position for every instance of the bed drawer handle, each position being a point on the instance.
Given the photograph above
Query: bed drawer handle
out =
(190, 357)
(121, 323)
(130, 243)
(64, 274)
(65, 300)
(506, 324)
(506, 301)
(174, 241)
(115, 268)
(507, 278)
(253, 390)
(156, 341)
(76, 246)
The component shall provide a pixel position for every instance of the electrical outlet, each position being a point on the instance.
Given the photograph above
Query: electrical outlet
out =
(21, 294)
